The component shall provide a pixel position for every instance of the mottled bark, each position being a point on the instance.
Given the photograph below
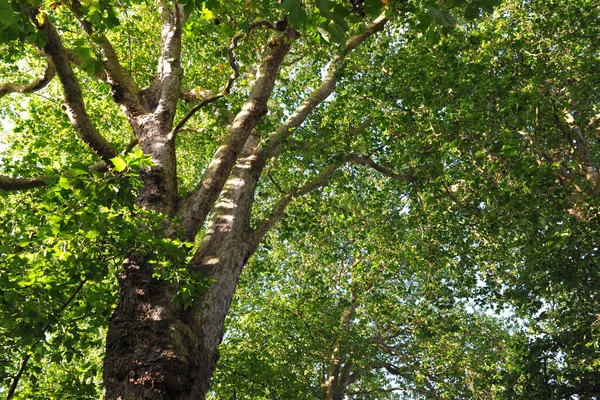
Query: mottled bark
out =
(150, 353)
(340, 366)
(33, 86)
(196, 207)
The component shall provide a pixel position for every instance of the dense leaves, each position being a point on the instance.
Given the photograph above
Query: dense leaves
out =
(442, 239)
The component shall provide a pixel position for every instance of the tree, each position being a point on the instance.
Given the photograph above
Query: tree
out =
(81, 216)
(252, 128)
(501, 133)
(353, 315)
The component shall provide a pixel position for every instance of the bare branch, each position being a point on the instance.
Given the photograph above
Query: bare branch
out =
(74, 105)
(357, 40)
(165, 89)
(33, 86)
(10, 184)
(374, 390)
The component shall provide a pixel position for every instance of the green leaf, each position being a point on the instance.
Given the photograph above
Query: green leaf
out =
(471, 11)
(92, 234)
(441, 17)
(324, 7)
(65, 182)
(119, 164)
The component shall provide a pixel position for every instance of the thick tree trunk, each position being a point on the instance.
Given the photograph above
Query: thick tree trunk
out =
(150, 352)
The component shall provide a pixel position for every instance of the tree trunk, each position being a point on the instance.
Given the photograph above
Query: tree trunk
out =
(150, 352)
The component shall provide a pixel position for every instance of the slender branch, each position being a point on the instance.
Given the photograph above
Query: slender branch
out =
(17, 378)
(279, 189)
(33, 86)
(193, 111)
(78, 62)
(130, 146)
(405, 177)
(374, 390)
(74, 105)
(279, 208)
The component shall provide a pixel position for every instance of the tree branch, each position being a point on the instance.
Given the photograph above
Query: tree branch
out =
(17, 378)
(33, 86)
(9, 184)
(374, 390)
(230, 80)
(195, 208)
(272, 145)
(115, 74)
(74, 105)
(279, 208)
(167, 85)
(405, 177)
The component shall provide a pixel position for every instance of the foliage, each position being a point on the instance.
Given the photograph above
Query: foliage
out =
(451, 255)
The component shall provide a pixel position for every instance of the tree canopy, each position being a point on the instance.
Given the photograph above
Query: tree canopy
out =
(403, 196)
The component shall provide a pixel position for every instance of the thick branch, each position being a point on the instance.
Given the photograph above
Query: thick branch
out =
(167, 84)
(8, 184)
(115, 74)
(230, 80)
(74, 105)
(196, 207)
(33, 86)
(273, 143)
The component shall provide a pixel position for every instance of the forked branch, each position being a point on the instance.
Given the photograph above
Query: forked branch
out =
(195, 208)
